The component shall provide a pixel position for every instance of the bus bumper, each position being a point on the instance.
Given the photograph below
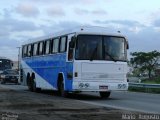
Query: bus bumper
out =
(99, 86)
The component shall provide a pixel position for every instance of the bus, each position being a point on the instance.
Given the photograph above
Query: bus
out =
(5, 63)
(84, 59)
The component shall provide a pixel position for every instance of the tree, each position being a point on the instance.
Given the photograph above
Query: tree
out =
(145, 61)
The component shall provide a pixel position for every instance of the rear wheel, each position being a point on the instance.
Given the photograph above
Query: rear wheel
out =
(29, 83)
(34, 87)
(105, 94)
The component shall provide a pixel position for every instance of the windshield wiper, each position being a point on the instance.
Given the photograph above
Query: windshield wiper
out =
(111, 56)
(93, 53)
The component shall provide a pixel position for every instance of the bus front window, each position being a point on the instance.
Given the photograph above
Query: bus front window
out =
(89, 47)
(114, 48)
(98, 47)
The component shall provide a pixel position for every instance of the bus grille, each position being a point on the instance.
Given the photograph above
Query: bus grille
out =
(109, 76)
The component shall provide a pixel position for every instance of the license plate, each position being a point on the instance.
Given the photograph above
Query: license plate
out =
(103, 87)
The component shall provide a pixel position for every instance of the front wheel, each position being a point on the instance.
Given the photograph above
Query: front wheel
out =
(61, 90)
(105, 94)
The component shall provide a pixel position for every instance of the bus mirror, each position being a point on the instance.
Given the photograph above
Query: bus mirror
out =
(12, 64)
(127, 45)
(72, 42)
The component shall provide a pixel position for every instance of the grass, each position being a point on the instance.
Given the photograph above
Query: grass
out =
(146, 90)
(155, 80)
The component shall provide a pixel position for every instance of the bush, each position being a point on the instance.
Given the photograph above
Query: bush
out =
(146, 90)
(155, 80)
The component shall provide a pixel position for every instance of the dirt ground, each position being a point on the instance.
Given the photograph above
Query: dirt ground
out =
(25, 105)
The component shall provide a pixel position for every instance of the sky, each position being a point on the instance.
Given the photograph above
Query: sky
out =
(21, 20)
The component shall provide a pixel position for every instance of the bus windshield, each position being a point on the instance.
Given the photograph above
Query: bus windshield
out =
(5, 64)
(98, 47)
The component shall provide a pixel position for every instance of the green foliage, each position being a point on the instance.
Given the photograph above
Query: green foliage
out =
(152, 81)
(146, 90)
(145, 61)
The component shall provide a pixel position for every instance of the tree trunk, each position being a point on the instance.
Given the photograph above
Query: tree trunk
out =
(149, 73)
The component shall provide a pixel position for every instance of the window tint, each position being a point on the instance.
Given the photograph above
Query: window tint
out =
(35, 46)
(24, 51)
(47, 47)
(63, 44)
(40, 50)
(55, 45)
(29, 51)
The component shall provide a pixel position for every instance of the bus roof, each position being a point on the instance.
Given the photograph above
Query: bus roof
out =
(95, 30)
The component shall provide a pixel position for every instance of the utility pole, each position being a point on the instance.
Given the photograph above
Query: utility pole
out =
(18, 58)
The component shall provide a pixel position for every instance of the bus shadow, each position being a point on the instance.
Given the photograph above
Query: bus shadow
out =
(89, 97)
(77, 96)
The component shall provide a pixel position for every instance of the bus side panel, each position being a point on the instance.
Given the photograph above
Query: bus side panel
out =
(69, 76)
(48, 67)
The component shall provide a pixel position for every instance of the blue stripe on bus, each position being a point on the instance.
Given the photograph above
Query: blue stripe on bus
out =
(49, 66)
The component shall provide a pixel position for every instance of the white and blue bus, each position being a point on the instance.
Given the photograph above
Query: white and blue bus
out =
(84, 59)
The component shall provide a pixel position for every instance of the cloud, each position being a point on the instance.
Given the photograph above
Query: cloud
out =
(56, 11)
(10, 32)
(9, 42)
(8, 47)
(156, 23)
(79, 11)
(9, 52)
(59, 26)
(145, 40)
(66, 2)
(11, 25)
(120, 22)
(27, 10)
(99, 12)
(129, 25)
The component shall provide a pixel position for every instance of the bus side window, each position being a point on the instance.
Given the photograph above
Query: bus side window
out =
(47, 47)
(63, 44)
(70, 52)
(29, 51)
(24, 51)
(55, 45)
(35, 47)
(71, 48)
(40, 48)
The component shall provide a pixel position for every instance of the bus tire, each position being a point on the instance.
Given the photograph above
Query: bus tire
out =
(33, 84)
(29, 82)
(61, 90)
(105, 94)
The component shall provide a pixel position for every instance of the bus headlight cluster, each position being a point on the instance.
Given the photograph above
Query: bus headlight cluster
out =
(122, 86)
(83, 85)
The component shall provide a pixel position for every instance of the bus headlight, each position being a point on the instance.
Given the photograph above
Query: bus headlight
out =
(86, 85)
(81, 85)
(122, 86)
